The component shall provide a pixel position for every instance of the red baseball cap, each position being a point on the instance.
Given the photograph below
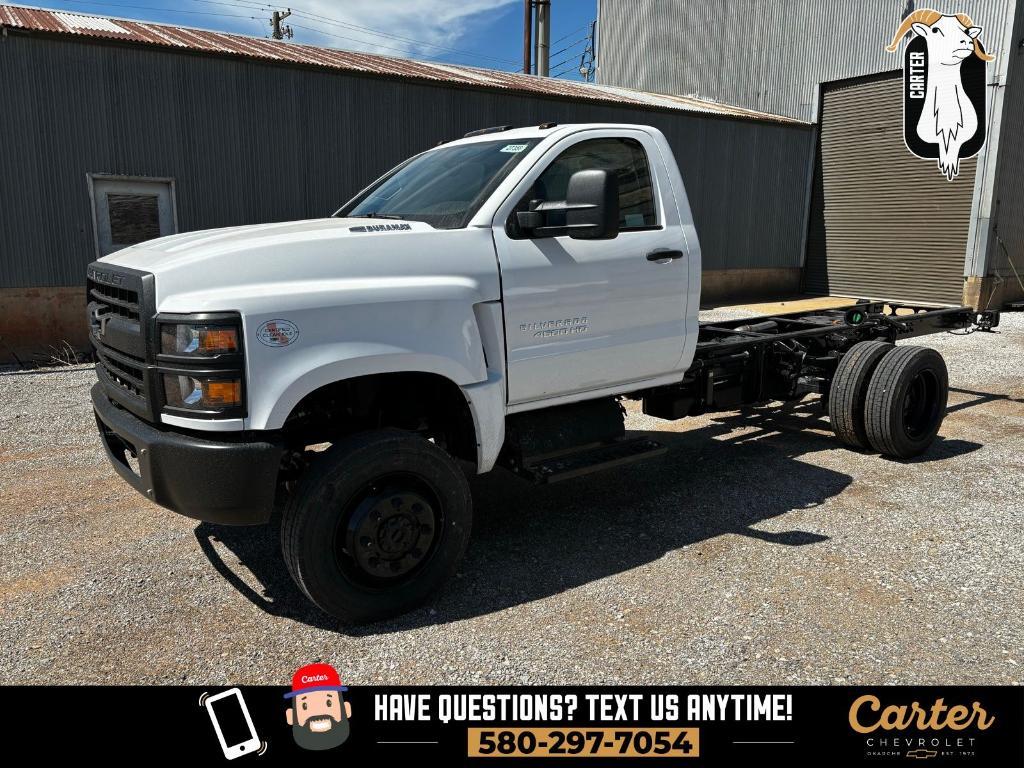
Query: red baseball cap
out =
(315, 677)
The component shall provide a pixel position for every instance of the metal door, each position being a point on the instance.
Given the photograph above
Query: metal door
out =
(586, 314)
(884, 223)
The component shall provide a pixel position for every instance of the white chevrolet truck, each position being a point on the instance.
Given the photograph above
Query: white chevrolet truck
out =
(488, 303)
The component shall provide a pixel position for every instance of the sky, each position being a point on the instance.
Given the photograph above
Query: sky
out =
(481, 33)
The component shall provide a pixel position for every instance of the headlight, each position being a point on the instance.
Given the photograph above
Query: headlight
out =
(198, 340)
(202, 392)
(201, 365)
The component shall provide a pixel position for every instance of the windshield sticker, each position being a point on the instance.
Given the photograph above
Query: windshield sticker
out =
(514, 148)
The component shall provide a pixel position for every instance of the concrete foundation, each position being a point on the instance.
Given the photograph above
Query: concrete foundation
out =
(991, 292)
(35, 324)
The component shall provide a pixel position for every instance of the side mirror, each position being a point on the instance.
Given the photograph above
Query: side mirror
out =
(591, 209)
(592, 205)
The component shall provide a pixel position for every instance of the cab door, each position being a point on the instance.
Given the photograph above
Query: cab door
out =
(584, 315)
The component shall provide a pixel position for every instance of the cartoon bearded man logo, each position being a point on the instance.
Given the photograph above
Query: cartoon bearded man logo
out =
(318, 714)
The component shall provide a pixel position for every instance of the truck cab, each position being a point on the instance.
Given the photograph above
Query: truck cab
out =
(510, 272)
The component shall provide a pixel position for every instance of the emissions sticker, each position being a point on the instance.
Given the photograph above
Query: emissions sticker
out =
(513, 148)
(278, 333)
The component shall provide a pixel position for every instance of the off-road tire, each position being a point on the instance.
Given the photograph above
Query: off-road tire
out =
(906, 401)
(848, 392)
(312, 522)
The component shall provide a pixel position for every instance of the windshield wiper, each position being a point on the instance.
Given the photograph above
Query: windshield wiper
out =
(374, 215)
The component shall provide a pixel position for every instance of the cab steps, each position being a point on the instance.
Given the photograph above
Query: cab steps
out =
(594, 458)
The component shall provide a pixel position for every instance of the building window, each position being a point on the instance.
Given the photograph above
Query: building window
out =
(128, 211)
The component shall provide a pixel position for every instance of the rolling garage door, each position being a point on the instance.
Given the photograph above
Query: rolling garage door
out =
(884, 223)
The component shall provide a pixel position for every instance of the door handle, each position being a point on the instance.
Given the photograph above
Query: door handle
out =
(663, 255)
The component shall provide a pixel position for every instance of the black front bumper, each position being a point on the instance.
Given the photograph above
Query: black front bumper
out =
(227, 481)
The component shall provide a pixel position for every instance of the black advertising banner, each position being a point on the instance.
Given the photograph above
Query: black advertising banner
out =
(529, 725)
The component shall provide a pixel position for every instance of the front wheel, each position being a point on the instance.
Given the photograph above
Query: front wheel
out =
(376, 525)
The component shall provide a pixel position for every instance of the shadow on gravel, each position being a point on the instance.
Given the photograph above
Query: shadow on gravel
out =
(979, 398)
(530, 542)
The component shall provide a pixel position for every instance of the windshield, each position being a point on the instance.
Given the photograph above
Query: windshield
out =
(443, 187)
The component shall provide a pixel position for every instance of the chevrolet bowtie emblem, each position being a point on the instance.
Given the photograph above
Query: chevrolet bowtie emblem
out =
(101, 321)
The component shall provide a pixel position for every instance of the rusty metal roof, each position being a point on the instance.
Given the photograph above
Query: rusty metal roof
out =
(223, 43)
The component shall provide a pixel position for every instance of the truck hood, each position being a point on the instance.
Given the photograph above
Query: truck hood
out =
(219, 269)
(188, 248)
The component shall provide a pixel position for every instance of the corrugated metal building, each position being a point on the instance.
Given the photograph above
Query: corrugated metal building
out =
(116, 131)
(891, 227)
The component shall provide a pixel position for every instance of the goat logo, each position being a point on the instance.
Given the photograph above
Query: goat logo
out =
(943, 87)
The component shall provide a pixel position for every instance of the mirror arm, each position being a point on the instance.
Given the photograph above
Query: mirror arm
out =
(561, 205)
(556, 231)
(532, 221)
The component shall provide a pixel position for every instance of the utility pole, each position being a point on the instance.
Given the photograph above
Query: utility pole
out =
(589, 55)
(527, 25)
(277, 31)
(542, 29)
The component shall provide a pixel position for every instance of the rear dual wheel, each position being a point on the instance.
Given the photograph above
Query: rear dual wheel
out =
(890, 399)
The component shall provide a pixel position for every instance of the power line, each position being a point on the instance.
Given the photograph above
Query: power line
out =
(573, 45)
(350, 39)
(580, 29)
(586, 63)
(154, 8)
(414, 41)
(316, 18)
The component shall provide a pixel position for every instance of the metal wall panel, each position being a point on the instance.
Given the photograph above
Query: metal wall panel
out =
(885, 224)
(1007, 240)
(249, 142)
(768, 55)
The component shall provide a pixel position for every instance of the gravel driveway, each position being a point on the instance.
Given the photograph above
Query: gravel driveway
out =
(756, 551)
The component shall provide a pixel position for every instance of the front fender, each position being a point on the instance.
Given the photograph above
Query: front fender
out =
(350, 360)
(434, 335)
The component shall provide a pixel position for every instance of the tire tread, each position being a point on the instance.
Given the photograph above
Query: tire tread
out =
(849, 390)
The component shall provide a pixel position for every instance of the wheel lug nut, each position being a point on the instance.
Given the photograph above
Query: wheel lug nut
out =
(366, 541)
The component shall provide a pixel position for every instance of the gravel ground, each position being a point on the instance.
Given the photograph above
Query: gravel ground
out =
(756, 551)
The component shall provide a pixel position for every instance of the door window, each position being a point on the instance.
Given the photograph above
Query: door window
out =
(131, 211)
(623, 157)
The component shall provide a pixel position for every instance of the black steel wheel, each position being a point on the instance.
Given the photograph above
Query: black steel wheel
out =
(388, 529)
(906, 401)
(376, 525)
(849, 391)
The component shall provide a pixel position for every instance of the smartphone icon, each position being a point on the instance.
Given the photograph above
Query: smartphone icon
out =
(233, 724)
